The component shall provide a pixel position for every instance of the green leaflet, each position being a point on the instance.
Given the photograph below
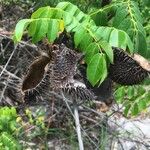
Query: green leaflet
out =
(19, 29)
(136, 12)
(47, 12)
(140, 44)
(120, 94)
(53, 29)
(126, 110)
(125, 25)
(120, 16)
(86, 40)
(135, 109)
(142, 104)
(41, 28)
(108, 50)
(120, 39)
(90, 51)
(100, 18)
(130, 92)
(103, 33)
(97, 69)
(41, 13)
(78, 36)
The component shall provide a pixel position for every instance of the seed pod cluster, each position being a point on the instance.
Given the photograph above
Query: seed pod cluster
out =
(55, 74)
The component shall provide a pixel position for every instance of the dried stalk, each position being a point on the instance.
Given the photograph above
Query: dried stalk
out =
(77, 121)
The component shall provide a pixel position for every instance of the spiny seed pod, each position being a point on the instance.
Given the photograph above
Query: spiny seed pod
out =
(78, 90)
(64, 66)
(128, 69)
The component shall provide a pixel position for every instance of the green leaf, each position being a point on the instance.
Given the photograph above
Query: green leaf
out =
(118, 39)
(136, 12)
(135, 109)
(53, 29)
(20, 27)
(67, 19)
(125, 25)
(43, 24)
(47, 12)
(120, 16)
(120, 94)
(73, 24)
(42, 10)
(141, 29)
(78, 36)
(108, 50)
(113, 40)
(122, 39)
(103, 33)
(96, 69)
(41, 28)
(142, 104)
(86, 40)
(104, 69)
(126, 110)
(141, 90)
(72, 9)
(140, 44)
(130, 92)
(32, 28)
(147, 3)
(100, 18)
(130, 45)
(90, 51)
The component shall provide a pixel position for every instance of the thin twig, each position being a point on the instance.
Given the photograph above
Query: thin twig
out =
(21, 42)
(8, 60)
(10, 74)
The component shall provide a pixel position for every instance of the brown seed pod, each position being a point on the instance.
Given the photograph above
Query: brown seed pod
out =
(35, 73)
(127, 69)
